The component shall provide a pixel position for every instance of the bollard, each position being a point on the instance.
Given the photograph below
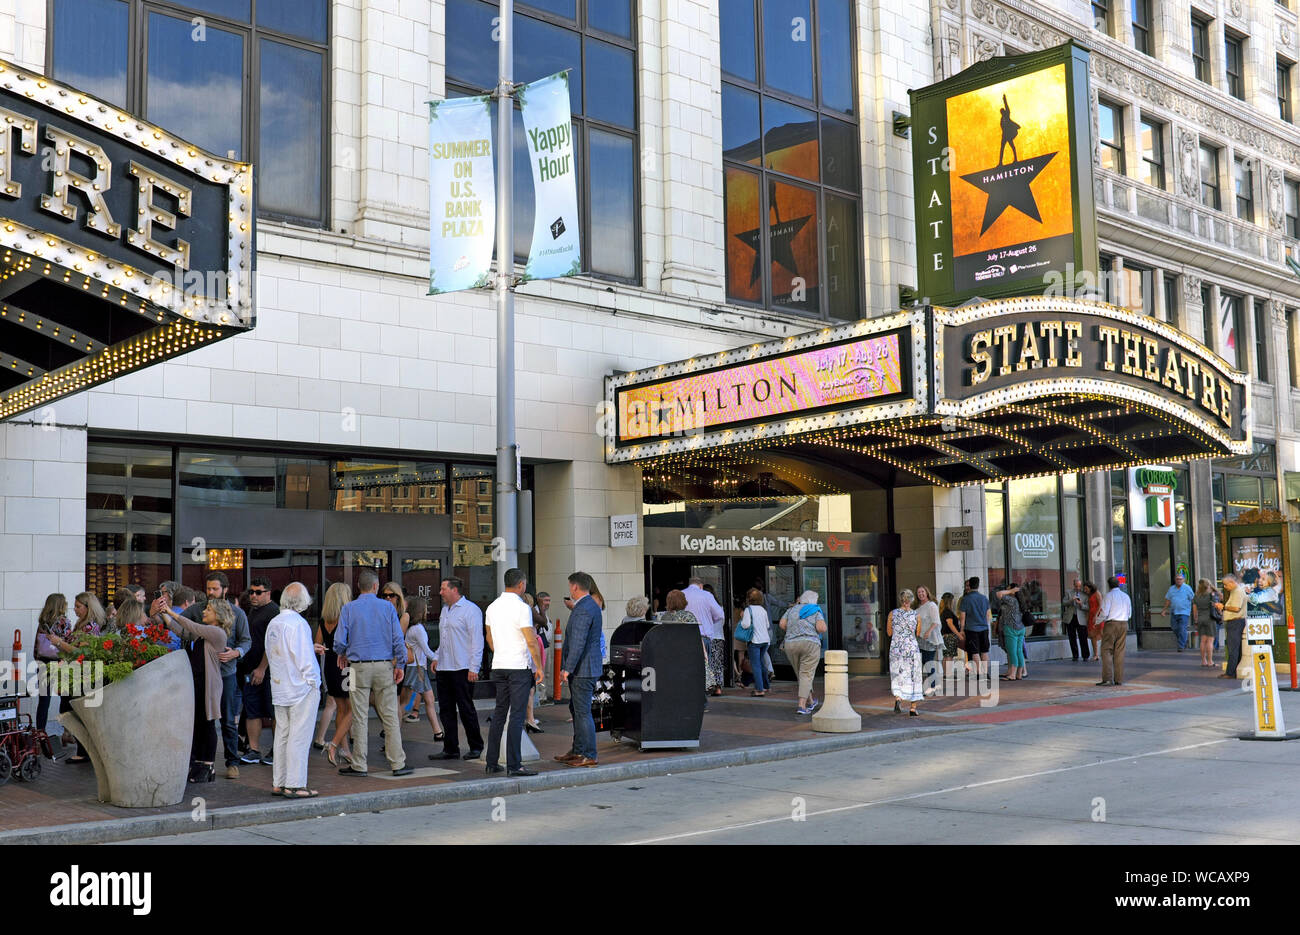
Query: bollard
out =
(557, 650)
(836, 715)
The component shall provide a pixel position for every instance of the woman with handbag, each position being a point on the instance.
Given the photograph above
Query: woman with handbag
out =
(755, 629)
(52, 624)
(1094, 625)
(904, 654)
(929, 633)
(1203, 614)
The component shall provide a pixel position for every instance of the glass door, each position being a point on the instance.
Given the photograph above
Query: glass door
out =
(282, 566)
(420, 574)
(1153, 574)
(860, 610)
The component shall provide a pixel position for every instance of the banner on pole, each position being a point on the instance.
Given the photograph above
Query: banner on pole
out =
(462, 194)
(548, 126)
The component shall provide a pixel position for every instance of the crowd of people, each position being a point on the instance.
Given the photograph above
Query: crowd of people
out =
(262, 668)
(269, 684)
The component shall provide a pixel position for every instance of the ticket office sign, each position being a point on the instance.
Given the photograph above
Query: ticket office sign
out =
(1267, 710)
(1002, 168)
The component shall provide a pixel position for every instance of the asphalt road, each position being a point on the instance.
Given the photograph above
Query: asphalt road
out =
(1172, 773)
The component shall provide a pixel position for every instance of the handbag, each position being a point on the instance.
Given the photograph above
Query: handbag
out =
(744, 633)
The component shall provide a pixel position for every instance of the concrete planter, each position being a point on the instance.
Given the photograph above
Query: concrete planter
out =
(138, 736)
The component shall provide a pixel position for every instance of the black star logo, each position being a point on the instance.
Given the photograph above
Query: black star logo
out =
(1008, 187)
(781, 236)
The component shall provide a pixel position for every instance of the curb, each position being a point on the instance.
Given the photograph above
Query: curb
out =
(108, 831)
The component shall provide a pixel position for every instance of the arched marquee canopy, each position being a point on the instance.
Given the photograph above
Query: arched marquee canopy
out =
(947, 396)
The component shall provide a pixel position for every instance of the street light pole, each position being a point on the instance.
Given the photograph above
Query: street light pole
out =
(505, 548)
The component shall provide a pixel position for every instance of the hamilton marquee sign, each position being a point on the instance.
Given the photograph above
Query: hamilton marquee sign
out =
(1002, 168)
(1006, 388)
(122, 244)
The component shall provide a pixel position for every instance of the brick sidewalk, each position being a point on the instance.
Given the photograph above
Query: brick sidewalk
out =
(65, 794)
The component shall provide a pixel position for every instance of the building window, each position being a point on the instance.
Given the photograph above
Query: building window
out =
(1229, 325)
(1034, 538)
(1101, 16)
(791, 156)
(1233, 57)
(1243, 176)
(1136, 293)
(254, 89)
(1291, 348)
(1207, 317)
(1246, 484)
(1291, 190)
(1142, 25)
(1153, 153)
(594, 38)
(1284, 90)
(1210, 176)
(1171, 300)
(1110, 128)
(1201, 49)
(1262, 334)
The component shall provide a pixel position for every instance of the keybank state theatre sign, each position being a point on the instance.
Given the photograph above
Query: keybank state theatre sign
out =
(121, 245)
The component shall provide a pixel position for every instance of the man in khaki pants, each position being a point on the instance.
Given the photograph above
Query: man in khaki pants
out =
(1116, 609)
(369, 641)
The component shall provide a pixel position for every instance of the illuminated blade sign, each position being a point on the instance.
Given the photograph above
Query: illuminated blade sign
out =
(1002, 168)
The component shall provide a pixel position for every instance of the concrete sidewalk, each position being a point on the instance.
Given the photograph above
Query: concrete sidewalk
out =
(738, 729)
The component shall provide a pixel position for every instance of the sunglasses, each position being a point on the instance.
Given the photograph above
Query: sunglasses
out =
(390, 595)
(258, 591)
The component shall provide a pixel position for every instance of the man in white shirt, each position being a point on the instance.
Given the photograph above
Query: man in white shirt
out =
(516, 668)
(708, 614)
(295, 692)
(1116, 609)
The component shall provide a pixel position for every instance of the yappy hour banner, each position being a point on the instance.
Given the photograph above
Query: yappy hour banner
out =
(548, 129)
(864, 369)
(462, 194)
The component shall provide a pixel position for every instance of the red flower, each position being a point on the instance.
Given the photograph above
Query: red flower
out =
(81, 657)
(108, 644)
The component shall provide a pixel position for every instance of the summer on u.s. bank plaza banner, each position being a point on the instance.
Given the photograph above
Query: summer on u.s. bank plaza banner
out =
(462, 194)
(548, 129)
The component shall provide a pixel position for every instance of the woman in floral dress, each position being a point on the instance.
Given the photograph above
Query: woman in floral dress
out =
(905, 679)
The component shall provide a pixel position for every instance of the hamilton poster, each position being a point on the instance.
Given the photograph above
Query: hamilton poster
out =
(1001, 206)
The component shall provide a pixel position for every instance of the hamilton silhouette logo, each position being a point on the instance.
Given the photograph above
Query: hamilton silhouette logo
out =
(781, 234)
(1007, 183)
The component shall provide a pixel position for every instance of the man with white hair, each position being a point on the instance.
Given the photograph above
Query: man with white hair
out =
(295, 691)
(708, 614)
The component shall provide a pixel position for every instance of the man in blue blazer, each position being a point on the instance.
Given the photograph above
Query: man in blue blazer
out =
(580, 666)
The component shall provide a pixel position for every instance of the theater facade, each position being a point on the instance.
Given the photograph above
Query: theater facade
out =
(218, 351)
(787, 464)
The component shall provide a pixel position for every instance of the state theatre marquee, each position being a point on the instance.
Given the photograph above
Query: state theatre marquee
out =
(1002, 389)
(121, 245)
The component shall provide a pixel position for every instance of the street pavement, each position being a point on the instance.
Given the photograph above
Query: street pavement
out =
(1085, 771)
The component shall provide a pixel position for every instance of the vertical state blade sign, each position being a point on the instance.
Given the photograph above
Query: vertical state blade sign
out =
(462, 195)
(548, 127)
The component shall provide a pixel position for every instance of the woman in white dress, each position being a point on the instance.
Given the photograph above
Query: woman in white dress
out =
(905, 679)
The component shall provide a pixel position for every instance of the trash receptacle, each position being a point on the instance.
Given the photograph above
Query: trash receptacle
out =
(652, 691)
